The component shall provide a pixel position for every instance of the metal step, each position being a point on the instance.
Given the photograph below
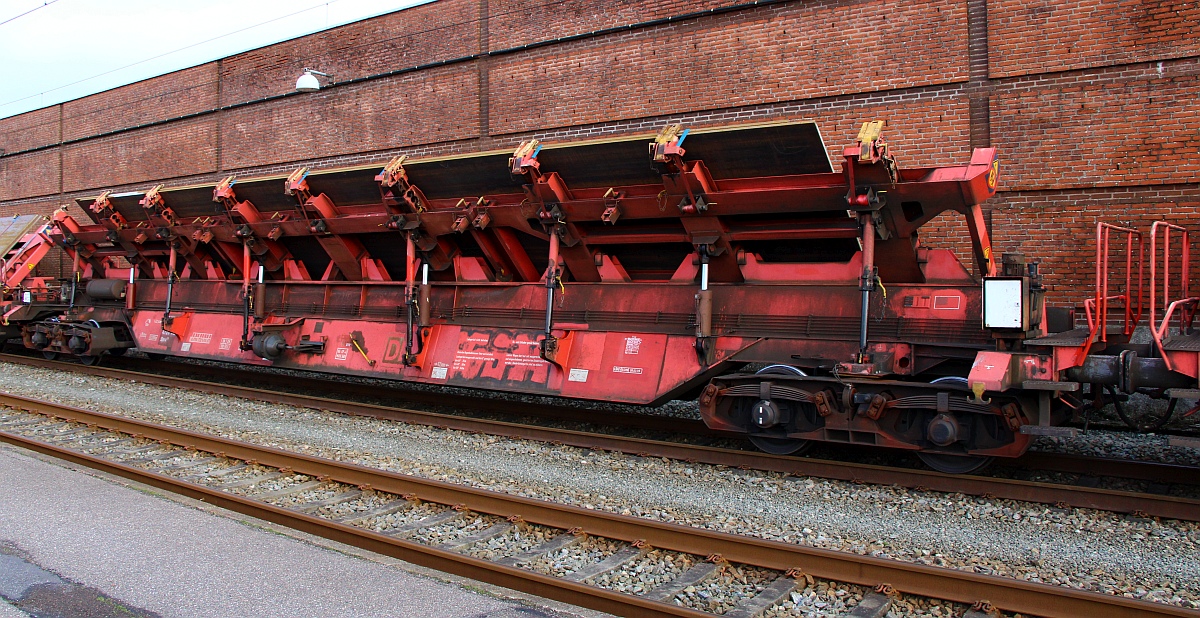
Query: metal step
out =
(1077, 337)
(1183, 343)
(1069, 338)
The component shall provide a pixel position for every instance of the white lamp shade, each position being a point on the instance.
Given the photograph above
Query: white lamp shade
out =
(308, 83)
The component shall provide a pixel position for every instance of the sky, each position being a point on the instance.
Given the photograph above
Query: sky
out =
(57, 50)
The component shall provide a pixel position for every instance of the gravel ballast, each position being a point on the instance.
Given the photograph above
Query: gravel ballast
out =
(1078, 548)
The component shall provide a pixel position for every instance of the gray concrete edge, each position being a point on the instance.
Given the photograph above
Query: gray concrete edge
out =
(491, 590)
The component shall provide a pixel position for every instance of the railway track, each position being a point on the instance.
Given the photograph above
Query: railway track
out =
(453, 528)
(1075, 495)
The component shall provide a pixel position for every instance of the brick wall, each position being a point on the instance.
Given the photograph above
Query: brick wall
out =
(786, 52)
(151, 100)
(1112, 127)
(1045, 36)
(367, 116)
(156, 153)
(35, 173)
(30, 130)
(422, 35)
(1094, 105)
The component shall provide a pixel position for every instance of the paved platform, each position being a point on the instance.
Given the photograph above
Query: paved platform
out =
(8, 611)
(153, 554)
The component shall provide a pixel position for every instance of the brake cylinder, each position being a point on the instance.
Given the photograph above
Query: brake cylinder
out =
(105, 289)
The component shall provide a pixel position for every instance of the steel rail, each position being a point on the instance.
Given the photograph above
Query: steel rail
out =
(935, 582)
(223, 371)
(1154, 505)
(1151, 471)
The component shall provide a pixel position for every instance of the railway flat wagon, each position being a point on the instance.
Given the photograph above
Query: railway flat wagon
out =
(635, 269)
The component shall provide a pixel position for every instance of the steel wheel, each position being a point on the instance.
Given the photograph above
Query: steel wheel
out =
(89, 360)
(780, 370)
(48, 355)
(955, 464)
(781, 445)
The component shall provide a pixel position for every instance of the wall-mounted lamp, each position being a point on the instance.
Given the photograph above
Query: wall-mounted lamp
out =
(308, 81)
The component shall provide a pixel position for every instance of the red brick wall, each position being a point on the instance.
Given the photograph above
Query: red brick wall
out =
(367, 116)
(514, 23)
(421, 35)
(1094, 105)
(1059, 227)
(155, 153)
(160, 98)
(30, 130)
(35, 173)
(782, 53)
(1134, 126)
(1042, 36)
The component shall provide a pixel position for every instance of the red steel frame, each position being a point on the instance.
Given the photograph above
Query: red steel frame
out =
(608, 316)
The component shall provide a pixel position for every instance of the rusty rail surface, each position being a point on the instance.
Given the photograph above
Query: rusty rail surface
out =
(935, 582)
(438, 396)
(1154, 505)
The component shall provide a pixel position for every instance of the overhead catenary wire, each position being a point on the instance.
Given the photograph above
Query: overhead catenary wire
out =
(534, 45)
(155, 95)
(662, 21)
(164, 54)
(41, 6)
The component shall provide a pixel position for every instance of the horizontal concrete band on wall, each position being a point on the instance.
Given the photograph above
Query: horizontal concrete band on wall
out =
(1085, 99)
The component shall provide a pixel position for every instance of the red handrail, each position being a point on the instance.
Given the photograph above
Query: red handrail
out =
(1100, 303)
(1186, 304)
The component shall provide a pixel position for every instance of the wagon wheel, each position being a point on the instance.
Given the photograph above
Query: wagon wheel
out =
(956, 464)
(49, 355)
(781, 445)
(89, 359)
(1145, 422)
(949, 463)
